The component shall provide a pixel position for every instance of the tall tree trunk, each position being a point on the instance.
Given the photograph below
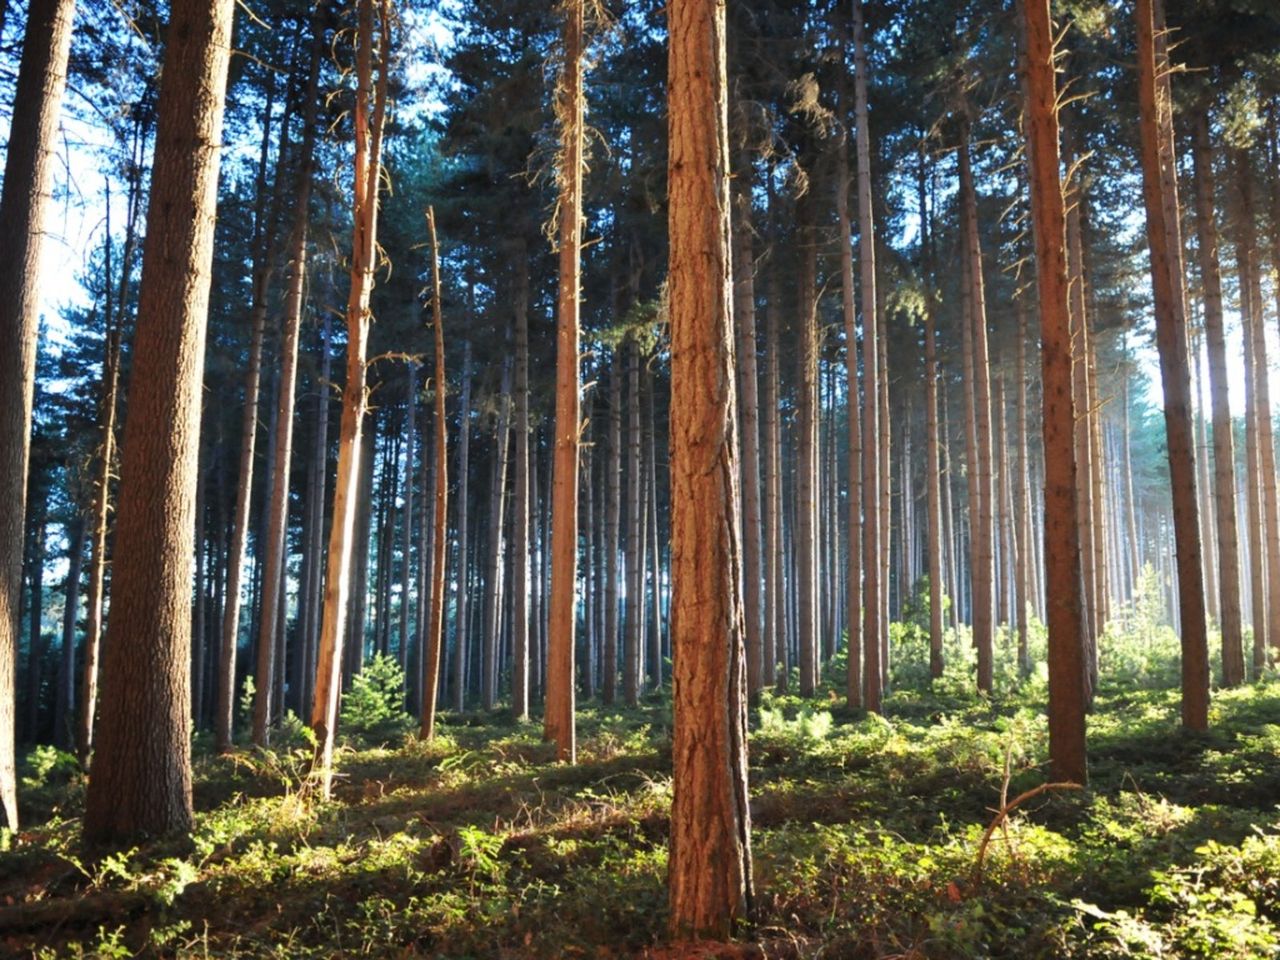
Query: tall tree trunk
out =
(744, 314)
(1061, 542)
(634, 615)
(1224, 457)
(612, 523)
(558, 723)
(493, 576)
(368, 159)
(872, 587)
(1165, 242)
(42, 77)
(519, 508)
(775, 652)
(462, 627)
(35, 610)
(141, 782)
(710, 859)
(435, 628)
(980, 521)
(808, 415)
(1251, 313)
(64, 732)
(651, 526)
(406, 526)
(1023, 591)
(853, 572)
(933, 483)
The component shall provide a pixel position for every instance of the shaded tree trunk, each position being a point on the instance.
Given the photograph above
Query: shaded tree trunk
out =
(141, 782)
(1165, 243)
(1224, 457)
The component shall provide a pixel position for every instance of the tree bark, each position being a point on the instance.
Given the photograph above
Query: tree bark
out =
(461, 626)
(1164, 240)
(1061, 542)
(435, 628)
(710, 858)
(368, 159)
(519, 508)
(612, 524)
(42, 76)
(558, 725)
(1224, 457)
(141, 782)
(64, 730)
(872, 600)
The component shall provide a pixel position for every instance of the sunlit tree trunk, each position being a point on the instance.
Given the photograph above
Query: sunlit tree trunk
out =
(368, 132)
(141, 781)
(853, 572)
(808, 414)
(872, 599)
(519, 506)
(1224, 457)
(612, 522)
(710, 857)
(493, 575)
(980, 519)
(1165, 243)
(33, 127)
(462, 632)
(558, 723)
(435, 626)
(1061, 543)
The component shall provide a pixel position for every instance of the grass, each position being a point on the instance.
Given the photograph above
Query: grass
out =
(865, 833)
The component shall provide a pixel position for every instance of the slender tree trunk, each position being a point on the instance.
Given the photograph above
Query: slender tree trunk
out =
(141, 781)
(435, 628)
(42, 77)
(558, 723)
(808, 414)
(461, 626)
(633, 637)
(35, 610)
(1251, 313)
(710, 859)
(64, 731)
(1023, 591)
(612, 522)
(1061, 543)
(519, 507)
(493, 576)
(655, 559)
(1224, 457)
(328, 674)
(871, 531)
(853, 572)
(980, 536)
(774, 588)
(1164, 240)
(406, 526)
(744, 313)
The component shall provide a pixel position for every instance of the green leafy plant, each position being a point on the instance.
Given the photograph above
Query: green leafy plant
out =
(373, 709)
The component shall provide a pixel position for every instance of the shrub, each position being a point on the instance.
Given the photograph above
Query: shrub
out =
(373, 709)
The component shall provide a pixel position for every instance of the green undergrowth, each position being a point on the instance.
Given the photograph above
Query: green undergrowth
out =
(866, 837)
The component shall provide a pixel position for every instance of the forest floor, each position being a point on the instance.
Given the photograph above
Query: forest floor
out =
(865, 834)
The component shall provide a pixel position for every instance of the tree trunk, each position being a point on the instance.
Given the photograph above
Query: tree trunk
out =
(406, 526)
(710, 858)
(35, 610)
(744, 313)
(655, 559)
(1251, 314)
(461, 626)
(612, 523)
(1061, 542)
(634, 616)
(980, 521)
(64, 731)
(872, 600)
(141, 782)
(558, 723)
(808, 414)
(1224, 457)
(435, 628)
(1165, 243)
(368, 158)
(493, 576)
(42, 77)
(519, 509)
(853, 572)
